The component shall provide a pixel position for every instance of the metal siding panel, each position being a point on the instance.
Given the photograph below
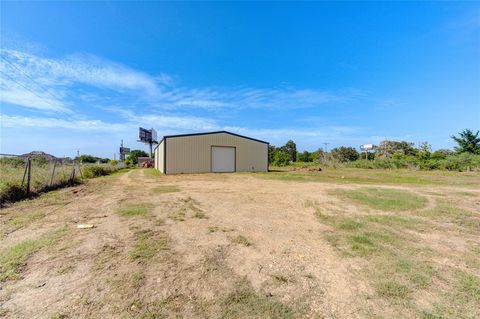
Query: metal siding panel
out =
(159, 157)
(191, 154)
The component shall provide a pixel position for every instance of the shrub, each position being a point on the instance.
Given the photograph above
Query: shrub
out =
(281, 158)
(92, 171)
(345, 154)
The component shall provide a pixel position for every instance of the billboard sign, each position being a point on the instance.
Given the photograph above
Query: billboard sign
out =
(124, 150)
(147, 136)
(366, 147)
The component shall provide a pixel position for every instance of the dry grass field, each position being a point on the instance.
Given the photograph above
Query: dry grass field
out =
(345, 243)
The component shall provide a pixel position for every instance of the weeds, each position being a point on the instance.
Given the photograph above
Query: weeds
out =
(241, 240)
(13, 259)
(165, 189)
(245, 303)
(134, 210)
(147, 245)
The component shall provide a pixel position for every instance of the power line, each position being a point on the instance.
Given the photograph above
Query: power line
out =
(31, 91)
(31, 79)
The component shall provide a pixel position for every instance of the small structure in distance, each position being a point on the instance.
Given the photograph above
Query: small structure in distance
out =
(365, 148)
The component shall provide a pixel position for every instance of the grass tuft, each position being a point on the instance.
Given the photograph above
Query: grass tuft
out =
(241, 240)
(165, 189)
(245, 303)
(147, 245)
(392, 289)
(134, 210)
(14, 259)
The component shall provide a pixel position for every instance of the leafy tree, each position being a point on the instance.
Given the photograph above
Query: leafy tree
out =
(132, 158)
(87, 158)
(271, 153)
(291, 149)
(345, 154)
(306, 156)
(468, 142)
(441, 154)
(282, 158)
(388, 148)
(424, 151)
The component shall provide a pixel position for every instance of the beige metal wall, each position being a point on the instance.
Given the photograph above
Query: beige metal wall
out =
(159, 157)
(192, 154)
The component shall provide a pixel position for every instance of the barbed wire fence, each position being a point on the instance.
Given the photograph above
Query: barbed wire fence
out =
(22, 176)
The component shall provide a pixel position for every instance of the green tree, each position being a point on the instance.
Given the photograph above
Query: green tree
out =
(133, 156)
(441, 154)
(282, 158)
(291, 149)
(84, 158)
(424, 151)
(271, 153)
(306, 156)
(388, 148)
(345, 154)
(468, 142)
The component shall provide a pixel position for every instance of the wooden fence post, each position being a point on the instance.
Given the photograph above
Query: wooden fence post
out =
(25, 171)
(53, 172)
(29, 175)
(72, 176)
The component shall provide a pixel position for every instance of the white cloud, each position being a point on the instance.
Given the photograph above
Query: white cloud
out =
(50, 122)
(104, 81)
(160, 122)
(16, 94)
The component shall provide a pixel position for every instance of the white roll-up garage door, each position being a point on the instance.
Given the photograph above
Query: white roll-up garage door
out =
(223, 159)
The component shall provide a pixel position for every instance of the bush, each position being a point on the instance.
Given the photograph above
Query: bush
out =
(462, 162)
(92, 171)
(281, 158)
(345, 154)
(456, 162)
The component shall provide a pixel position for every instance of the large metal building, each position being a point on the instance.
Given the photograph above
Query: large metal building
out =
(220, 152)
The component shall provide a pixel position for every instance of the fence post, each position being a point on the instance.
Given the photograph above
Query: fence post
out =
(25, 171)
(28, 175)
(80, 170)
(72, 176)
(53, 172)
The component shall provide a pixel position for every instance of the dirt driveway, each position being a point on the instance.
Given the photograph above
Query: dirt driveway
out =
(222, 246)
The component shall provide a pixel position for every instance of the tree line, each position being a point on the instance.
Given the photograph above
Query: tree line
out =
(388, 154)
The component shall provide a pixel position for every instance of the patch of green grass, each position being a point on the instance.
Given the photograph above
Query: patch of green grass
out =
(245, 303)
(241, 240)
(165, 189)
(13, 259)
(374, 176)
(396, 221)
(152, 172)
(148, 244)
(20, 221)
(350, 224)
(445, 211)
(384, 199)
(469, 285)
(393, 289)
(134, 210)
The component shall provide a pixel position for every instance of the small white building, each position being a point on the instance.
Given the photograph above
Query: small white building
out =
(220, 152)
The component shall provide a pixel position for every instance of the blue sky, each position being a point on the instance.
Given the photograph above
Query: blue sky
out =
(86, 75)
